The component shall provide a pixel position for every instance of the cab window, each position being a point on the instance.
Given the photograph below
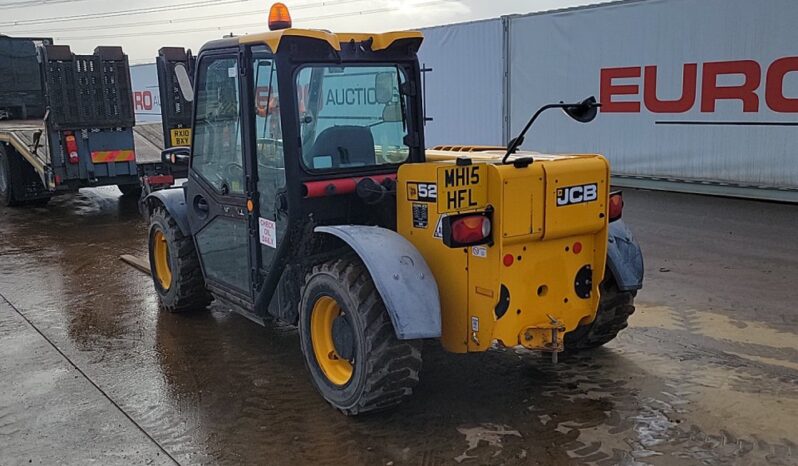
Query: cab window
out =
(352, 116)
(217, 154)
(269, 152)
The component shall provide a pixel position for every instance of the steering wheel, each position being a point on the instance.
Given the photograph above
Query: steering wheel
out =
(234, 171)
(394, 156)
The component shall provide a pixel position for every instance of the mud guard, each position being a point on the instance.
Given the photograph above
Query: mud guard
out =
(401, 275)
(624, 258)
(174, 201)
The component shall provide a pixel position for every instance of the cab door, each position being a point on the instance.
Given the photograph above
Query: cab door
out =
(269, 159)
(216, 191)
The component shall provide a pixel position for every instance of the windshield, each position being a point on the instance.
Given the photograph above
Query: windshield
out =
(352, 116)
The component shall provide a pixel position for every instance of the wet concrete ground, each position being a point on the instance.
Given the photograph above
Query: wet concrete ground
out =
(706, 374)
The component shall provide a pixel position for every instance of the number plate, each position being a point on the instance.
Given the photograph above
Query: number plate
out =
(180, 136)
(462, 187)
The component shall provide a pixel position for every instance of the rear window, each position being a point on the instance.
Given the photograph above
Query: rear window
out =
(352, 116)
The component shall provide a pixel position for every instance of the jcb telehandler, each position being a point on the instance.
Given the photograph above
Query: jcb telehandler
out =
(311, 199)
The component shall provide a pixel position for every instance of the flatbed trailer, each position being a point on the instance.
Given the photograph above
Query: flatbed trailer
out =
(81, 133)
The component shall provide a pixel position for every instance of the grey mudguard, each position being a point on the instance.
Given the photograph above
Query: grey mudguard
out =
(174, 200)
(401, 275)
(624, 258)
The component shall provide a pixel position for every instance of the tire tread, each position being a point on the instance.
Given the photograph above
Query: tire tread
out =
(392, 366)
(612, 316)
(188, 281)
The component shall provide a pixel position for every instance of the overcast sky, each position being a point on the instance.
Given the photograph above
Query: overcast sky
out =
(141, 27)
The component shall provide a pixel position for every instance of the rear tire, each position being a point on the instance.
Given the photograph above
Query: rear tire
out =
(20, 185)
(130, 190)
(174, 266)
(7, 197)
(612, 316)
(376, 371)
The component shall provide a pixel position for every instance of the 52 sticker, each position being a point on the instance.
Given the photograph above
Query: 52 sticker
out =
(422, 192)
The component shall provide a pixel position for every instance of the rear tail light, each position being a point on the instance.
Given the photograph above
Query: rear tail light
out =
(159, 180)
(71, 148)
(616, 206)
(466, 229)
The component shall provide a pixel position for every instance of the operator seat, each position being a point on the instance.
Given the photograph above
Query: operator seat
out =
(347, 146)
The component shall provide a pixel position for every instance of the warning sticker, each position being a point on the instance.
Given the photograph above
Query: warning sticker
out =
(479, 251)
(420, 215)
(439, 228)
(268, 232)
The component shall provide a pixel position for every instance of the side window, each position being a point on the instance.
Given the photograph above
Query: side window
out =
(269, 147)
(268, 128)
(217, 154)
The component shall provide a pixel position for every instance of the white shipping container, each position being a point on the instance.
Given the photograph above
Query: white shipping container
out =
(464, 89)
(699, 95)
(692, 89)
(146, 99)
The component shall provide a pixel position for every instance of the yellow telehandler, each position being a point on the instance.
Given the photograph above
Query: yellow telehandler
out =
(311, 199)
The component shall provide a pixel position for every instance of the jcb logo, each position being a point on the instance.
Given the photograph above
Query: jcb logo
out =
(577, 194)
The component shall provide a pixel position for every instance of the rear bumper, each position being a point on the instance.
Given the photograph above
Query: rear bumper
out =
(75, 184)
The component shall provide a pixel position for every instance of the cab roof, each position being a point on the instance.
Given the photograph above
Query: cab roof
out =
(272, 39)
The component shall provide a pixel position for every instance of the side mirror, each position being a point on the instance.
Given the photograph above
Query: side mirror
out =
(583, 112)
(384, 84)
(176, 155)
(184, 82)
(392, 113)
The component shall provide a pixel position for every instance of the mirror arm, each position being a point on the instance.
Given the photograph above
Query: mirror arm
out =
(518, 139)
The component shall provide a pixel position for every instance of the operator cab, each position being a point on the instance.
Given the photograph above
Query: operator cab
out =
(294, 129)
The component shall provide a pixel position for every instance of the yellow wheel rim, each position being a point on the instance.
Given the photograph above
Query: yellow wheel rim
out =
(163, 272)
(335, 368)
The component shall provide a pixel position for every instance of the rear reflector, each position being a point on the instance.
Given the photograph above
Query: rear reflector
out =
(110, 156)
(466, 229)
(159, 180)
(616, 206)
(71, 148)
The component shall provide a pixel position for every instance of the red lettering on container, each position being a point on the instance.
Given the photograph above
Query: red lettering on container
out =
(142, 100)
(681, 105)
(745, 92)
(608, 89)
(774, 89)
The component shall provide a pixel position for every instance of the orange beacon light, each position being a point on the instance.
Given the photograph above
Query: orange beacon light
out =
(279, 17)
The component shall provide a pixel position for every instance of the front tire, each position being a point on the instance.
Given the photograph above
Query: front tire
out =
(351, 350)
(174, 266)
(615, 307)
